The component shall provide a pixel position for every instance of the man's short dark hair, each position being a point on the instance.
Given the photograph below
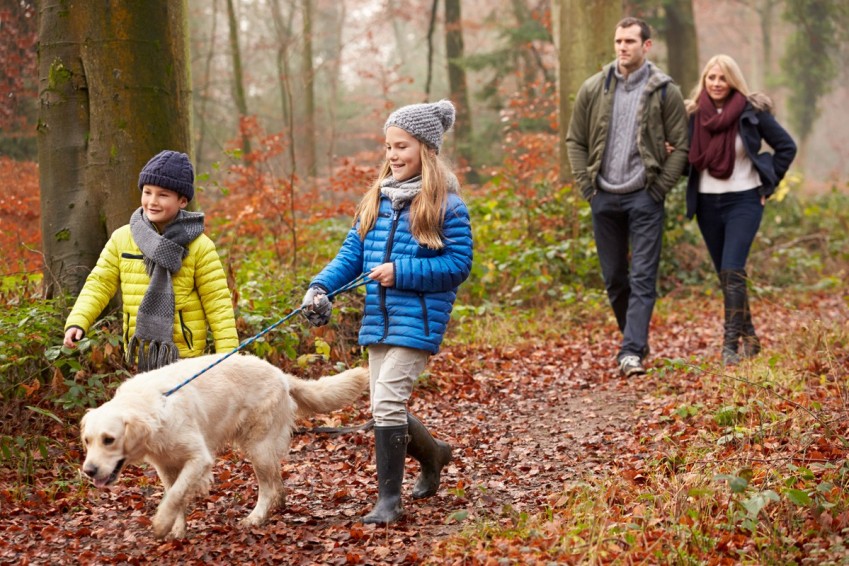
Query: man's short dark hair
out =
(645, 30)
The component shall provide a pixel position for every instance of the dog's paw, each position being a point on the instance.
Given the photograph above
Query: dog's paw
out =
(253, 520)
(165, 525)
(179, 528)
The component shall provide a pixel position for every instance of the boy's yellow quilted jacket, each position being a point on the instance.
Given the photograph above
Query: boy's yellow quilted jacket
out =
(202, 298)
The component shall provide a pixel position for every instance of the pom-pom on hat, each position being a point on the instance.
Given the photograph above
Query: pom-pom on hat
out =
(170, 170)
(426, 122)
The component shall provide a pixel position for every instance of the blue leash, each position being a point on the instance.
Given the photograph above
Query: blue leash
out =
(359, 281)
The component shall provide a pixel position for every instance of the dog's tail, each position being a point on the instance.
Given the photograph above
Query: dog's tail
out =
(328, 393)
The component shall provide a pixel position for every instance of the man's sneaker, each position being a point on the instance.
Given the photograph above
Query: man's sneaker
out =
(631, 365)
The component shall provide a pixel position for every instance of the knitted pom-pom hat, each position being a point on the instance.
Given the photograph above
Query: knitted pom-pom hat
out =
(170, 170)
(426, 122)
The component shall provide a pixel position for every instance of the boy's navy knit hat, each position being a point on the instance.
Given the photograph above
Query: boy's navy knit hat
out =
(170, 170)
(426, 122)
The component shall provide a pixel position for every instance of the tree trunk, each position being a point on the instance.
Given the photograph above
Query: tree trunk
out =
(309, 92)
(431, 27)
(204, 94)
(765, 15)
(683, 47)
(334, 79)
(283, 31)
(114, 89)
(584, 36)
(454, 51)
(238, 76)
(809, 61)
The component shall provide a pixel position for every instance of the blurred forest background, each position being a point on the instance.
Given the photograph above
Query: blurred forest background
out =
(327, 71)
(283, 102)
(281, 105)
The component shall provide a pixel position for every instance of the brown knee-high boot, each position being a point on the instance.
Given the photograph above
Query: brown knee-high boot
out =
(733, 283)
(751, 343)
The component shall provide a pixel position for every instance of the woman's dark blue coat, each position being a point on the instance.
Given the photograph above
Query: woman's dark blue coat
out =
(755, 126)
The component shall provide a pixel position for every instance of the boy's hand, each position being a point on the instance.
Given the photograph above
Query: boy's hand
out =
(316, 307)
(72, 336)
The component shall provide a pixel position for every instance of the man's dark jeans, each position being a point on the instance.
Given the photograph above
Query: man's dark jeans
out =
(620, 221)
(729, 223)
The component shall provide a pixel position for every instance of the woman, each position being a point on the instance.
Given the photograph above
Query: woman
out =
(729, 182)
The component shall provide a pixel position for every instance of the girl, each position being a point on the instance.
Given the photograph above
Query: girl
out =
(729, 182)
(413, 237)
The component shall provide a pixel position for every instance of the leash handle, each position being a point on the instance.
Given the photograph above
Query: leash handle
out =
(358, 281)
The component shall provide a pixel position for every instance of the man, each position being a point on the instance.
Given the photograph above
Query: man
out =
(622, 120)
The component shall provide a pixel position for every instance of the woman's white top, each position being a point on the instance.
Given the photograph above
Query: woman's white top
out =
(743, 178)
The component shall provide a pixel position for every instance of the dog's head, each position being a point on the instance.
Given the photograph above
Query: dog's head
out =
(111, 438)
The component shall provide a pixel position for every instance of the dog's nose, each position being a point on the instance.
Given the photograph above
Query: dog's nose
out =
(90, 471)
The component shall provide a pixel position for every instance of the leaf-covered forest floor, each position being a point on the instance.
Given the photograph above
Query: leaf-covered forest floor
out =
(525, 421)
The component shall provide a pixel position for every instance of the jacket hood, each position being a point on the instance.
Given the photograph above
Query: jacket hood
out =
(453, 182)
(761, 102)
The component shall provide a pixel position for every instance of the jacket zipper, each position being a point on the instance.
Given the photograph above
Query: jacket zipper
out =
(424, 314)
(188, 338)
(396, 214)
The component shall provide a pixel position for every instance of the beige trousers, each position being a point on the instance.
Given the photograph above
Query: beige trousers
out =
(393, 372)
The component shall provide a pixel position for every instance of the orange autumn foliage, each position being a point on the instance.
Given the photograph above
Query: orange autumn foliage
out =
(262, 202)
(20, 214)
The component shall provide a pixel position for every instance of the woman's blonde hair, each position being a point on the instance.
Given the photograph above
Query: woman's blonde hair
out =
(427, 211)
(733, 75)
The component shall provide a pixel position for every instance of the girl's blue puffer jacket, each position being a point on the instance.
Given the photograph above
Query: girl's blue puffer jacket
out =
(415, 311)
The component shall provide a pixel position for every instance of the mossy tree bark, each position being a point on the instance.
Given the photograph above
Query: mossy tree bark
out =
(114, 89)
(584, 34)
(683, 44)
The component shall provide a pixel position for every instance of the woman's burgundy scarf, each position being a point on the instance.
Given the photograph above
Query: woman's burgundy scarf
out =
(714, 135)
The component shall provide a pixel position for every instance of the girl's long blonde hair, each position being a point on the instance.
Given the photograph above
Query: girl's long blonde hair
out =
(427, 211)
(736, 80)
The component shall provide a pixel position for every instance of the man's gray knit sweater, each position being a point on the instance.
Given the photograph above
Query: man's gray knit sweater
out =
(622, 170)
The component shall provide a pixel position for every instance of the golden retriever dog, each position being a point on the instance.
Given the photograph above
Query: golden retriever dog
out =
(243, 401)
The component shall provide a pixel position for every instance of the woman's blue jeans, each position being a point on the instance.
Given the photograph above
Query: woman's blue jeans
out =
(729, 223)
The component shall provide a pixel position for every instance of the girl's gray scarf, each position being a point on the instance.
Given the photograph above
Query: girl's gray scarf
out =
(152, 345)
(401, 193)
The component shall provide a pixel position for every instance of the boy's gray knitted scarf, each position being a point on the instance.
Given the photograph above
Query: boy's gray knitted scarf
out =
(152, 345)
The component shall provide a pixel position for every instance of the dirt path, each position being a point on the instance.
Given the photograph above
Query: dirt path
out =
(543, 418)
(524, 423)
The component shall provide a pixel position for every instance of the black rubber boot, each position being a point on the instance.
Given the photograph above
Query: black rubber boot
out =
(432, 455)
(733, 283)
(751, 343)
(390, 448)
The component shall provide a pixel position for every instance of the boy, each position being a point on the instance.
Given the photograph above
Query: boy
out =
(172, 283)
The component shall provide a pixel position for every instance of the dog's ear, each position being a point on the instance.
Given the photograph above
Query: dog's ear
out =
(82, 426)
(137, 432)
